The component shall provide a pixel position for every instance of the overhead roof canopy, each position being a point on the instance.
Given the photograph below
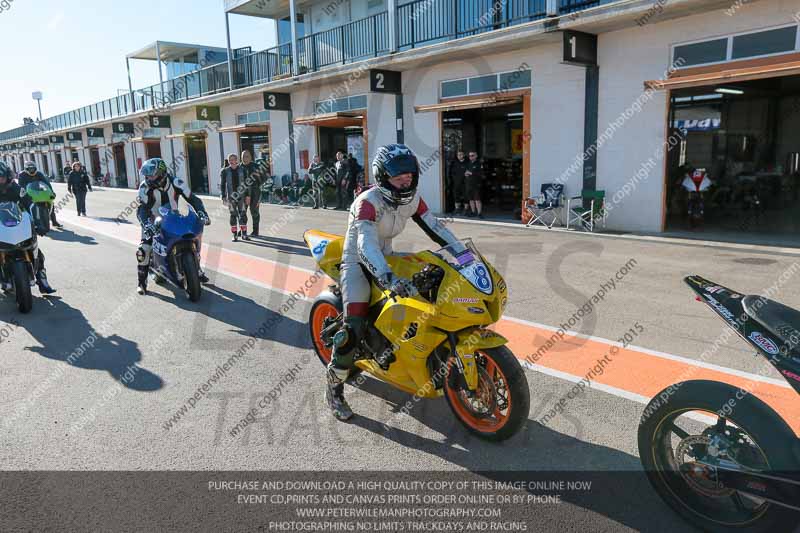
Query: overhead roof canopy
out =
(171, 51)
(274, 9)
(341, 119)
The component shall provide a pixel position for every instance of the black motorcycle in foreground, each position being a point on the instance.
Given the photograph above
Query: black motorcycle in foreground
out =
(719, 456)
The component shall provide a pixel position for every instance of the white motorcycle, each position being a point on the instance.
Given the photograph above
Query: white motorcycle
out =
(18, 251)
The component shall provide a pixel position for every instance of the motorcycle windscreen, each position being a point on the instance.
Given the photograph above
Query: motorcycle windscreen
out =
(175, 225)
(10, 215)
(465, 258)
(13, 228)
(40, 191)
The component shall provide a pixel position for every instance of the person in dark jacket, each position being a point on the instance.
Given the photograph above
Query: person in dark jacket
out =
(78, 183)
(30, 175)
(235, 194)
(474, 181)
(342, 169)
(11, 192)
(457, 181)
(254, 177)
(355, 173)
(319, 178)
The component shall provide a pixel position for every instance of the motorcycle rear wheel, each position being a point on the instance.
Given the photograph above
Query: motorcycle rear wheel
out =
(770, 435)
(191, 273)
(22, 286)
(501, 403)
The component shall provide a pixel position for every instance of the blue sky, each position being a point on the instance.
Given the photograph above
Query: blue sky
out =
(74, 50)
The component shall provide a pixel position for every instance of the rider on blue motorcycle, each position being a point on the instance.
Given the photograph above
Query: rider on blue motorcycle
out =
(158, 188)
(12, 192)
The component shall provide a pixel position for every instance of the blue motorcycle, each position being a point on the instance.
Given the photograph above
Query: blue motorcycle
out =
(176, 247)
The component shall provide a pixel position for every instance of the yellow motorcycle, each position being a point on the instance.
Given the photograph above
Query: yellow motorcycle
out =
(437, 343)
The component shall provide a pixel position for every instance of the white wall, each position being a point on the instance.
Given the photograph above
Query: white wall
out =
(381, 123)
(627, 59)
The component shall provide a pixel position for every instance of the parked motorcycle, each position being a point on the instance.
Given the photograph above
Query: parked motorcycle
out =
(696, 184)
(42, 196)
(719, 456)
(175, 250)
(437, 343)
(17, 253)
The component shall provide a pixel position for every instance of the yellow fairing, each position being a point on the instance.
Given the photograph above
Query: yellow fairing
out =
(326, 248)
(415, 326)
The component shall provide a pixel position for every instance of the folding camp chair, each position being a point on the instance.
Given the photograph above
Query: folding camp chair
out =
(545, 209)
(587, 217)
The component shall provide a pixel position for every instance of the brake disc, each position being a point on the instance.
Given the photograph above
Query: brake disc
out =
(700, 477)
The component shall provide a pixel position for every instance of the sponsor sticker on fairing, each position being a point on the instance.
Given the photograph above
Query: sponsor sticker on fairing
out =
(465, 300)
(764, 343)
(791, 375)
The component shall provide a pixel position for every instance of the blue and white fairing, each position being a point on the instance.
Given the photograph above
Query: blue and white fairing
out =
(16, 225)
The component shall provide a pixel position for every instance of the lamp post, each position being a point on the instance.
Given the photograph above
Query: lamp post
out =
(37, 95)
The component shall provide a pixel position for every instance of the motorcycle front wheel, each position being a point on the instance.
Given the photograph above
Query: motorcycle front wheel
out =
(680, 428)
(191, 273)
(500, 405)
(22, 286)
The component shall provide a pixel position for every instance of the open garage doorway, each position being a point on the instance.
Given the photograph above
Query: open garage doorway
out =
(496, 127)
(744, 138)
(340, 131)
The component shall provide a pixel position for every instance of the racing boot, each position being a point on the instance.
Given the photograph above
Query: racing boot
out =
(334, 393)
(243, 232)
(41, 282)
(142, 288)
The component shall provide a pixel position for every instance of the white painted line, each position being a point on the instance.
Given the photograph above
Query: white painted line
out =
(656, 353)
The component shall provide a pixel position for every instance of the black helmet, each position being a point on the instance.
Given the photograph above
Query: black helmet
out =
(30, 167)
(155, 172)
(6, 174)
(390, 161)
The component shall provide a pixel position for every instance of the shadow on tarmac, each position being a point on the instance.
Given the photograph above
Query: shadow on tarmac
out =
(288, 246)
(67, 235)
(65, 331)
(623, 492)
(247, 317)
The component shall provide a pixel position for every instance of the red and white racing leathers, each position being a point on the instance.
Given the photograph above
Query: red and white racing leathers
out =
(372, 225)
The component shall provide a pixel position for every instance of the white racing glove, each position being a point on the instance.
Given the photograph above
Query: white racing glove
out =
(150, 230)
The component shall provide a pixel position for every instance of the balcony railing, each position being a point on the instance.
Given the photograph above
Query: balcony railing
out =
(420, 23)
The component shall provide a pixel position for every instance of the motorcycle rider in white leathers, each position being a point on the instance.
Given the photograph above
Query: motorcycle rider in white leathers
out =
(158, 188)
(377, 216)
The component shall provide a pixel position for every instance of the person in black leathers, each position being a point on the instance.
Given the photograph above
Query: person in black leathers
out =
(234, 193)
(78, 183)
(30, 175)
(457, 181)
(342, 168)
(159, 187)
(12, 192)
(255, 174)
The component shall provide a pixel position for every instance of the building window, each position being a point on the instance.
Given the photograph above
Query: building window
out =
(484, 84)
(765, 43)
(254, 117)
(504, 81)
(454, 88)
(753, 44)
(701, 53)
(348, 103)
